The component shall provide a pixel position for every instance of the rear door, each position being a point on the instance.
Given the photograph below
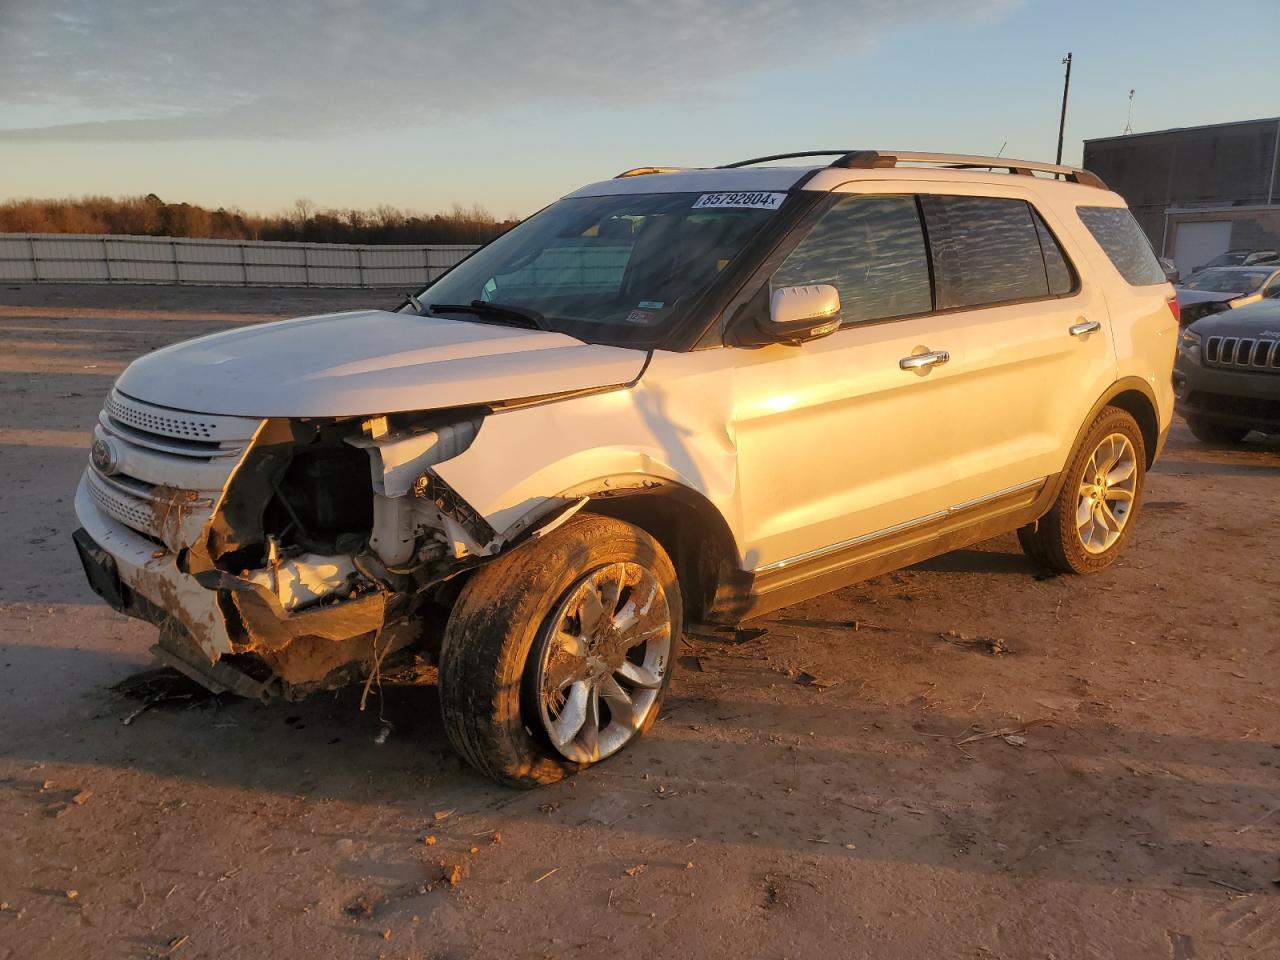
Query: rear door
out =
(1033, 330)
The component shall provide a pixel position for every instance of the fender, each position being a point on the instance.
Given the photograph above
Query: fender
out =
(526, 461)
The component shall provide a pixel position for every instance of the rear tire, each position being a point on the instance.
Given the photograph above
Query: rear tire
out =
(1216, 434)
(549, 631)
(1095, 511)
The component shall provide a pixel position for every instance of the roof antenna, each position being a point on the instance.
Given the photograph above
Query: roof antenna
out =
(1128, 125)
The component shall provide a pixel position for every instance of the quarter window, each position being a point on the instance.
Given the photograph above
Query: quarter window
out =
(1056, 269)
(986, 250)
(1124, 244)
(872, 250)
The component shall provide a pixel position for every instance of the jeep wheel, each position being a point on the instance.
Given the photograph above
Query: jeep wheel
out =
(1094, 513)
(1218, 434)
(558, 654)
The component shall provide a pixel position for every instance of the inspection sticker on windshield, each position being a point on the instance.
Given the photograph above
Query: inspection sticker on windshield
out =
(752, 201)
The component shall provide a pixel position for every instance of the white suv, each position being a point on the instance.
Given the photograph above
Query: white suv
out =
(673, 396)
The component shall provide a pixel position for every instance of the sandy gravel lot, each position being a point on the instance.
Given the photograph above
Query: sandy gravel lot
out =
(1134, 810)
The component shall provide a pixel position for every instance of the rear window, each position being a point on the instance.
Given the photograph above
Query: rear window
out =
(1124, 243)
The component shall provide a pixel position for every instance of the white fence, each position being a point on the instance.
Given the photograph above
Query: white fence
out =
(76, 258)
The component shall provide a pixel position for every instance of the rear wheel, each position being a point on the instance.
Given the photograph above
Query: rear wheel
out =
(1208, 431)
(558, 654)
(1093, 515)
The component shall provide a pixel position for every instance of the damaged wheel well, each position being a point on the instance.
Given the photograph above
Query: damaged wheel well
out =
(691, 531)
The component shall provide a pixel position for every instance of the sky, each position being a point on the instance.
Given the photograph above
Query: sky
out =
(511, 103)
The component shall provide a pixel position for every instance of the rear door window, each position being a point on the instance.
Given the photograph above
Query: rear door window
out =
(1124, 244)
(872, 250)
(986, 250)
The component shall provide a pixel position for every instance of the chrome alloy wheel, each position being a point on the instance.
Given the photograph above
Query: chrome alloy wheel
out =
(1107, 491)
(605, 649)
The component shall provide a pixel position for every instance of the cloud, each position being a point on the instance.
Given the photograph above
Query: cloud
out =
(219, 69)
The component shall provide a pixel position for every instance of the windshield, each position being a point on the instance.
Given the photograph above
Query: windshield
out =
(610, 269)
(1228, 281)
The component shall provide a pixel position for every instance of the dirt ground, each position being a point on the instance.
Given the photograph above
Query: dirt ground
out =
(1003, 765)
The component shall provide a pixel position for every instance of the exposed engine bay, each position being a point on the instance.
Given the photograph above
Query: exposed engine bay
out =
(331, 545)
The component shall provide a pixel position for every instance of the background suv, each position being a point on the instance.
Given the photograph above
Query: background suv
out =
(672, 396)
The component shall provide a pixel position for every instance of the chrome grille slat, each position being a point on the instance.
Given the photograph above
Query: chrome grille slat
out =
(1243, 353)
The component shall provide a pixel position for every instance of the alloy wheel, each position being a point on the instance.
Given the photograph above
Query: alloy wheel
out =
(1107, 491)
(605, 650)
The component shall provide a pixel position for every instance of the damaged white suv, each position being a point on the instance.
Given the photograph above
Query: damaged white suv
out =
(674, 396)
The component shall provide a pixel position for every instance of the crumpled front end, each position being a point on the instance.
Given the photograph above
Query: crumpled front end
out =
(279, 556)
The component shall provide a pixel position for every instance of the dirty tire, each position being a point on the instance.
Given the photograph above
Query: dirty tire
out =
(1216, 434)
(487, 698)
(1053, 541)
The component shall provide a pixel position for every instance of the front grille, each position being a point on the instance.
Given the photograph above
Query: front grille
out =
(1243, 353)
(165, 468)
(149, 419)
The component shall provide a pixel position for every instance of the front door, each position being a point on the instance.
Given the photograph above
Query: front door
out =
(836, 441)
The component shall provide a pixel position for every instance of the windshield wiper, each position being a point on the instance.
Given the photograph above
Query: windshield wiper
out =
(484, 308)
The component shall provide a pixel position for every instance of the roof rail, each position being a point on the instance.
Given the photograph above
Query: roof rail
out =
(645, 171)
(783, 156)
(871, 159)
(877, 159)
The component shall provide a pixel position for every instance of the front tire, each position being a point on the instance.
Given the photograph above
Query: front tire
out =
(558, 654)
(1094, 513)
(1216, 434)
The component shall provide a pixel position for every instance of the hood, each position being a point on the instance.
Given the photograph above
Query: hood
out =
(1187, 297)
(369, 362)
(1261, 319)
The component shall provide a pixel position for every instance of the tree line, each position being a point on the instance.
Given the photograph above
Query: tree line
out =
(151, 216)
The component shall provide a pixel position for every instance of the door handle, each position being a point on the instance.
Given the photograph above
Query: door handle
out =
(919, 361)
(1083, 327)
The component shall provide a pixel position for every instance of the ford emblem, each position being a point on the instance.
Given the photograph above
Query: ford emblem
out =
(103, 455)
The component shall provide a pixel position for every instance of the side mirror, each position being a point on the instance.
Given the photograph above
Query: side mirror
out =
(797, 314)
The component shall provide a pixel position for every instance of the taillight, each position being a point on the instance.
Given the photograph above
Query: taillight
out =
(1175, 309)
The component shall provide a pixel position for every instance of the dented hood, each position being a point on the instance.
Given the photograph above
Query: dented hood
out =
(369, 362)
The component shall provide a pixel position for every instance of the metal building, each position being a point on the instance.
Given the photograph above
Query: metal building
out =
(1198, 191)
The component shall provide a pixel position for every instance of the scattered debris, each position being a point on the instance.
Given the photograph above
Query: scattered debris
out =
(453, 874)
(549, 806)
(547, 874)
(691, 663)
(81, 798)
(429, 840)
(806, 679)
(443, 815)
(816, 840)
(362, 906)
(851, 846)
(176, 943)
(72, 894)
(1250, 826)
(1004, 732)
(1015, 741)
(995, 646)
(635, 871)
(386, 934)
(495, 838)
(383, 734)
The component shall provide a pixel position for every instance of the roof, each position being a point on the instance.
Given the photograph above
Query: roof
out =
(756, 176)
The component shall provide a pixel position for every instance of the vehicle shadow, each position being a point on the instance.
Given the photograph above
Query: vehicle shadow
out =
(902, 783)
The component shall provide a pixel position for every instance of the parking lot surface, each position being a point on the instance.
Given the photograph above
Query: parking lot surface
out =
(962, 759)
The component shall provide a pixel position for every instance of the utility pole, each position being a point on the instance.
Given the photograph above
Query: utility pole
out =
(1062, 124)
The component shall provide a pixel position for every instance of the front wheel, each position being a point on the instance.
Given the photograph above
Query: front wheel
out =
(1093, 515)
(558, 654)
